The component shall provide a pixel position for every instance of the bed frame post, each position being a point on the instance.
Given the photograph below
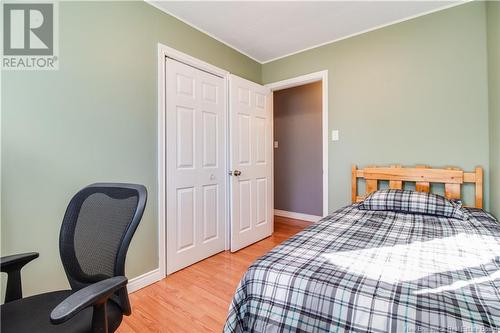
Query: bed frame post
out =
(396, 184)
(354, 183)
(422, 186)
(479, 187)
(452, 191)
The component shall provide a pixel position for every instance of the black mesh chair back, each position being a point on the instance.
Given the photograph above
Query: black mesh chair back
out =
(97, 229)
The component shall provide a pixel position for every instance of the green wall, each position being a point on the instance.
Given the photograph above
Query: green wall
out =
(92, 120)
(411, 93)
(493, 19)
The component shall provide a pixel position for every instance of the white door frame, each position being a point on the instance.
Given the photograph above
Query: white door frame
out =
(299, 81)
(163, 53)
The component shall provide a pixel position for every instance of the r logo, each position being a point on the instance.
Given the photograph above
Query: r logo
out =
(28, 29)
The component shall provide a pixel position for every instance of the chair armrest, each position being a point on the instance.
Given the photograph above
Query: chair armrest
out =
(12, 265)
(95, 295)
(16, 261)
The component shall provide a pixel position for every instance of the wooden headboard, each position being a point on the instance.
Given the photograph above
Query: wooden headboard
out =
(423, 176)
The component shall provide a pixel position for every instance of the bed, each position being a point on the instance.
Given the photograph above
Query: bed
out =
(376, 270)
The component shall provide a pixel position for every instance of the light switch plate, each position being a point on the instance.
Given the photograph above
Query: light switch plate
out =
(275, 144)
(335, 135)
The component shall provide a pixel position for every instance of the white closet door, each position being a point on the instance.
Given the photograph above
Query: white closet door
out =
(196, 165)
(251, 162)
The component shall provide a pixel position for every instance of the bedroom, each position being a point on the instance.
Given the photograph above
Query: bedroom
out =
(415, 90)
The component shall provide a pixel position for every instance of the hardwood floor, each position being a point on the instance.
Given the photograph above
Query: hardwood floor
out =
(196, 299)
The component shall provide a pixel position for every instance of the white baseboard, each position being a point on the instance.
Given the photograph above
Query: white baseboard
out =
(298, 216)
(144, 280)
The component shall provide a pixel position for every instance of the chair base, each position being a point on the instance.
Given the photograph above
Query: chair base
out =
(32, 314)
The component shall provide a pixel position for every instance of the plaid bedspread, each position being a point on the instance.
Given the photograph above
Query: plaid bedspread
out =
(376, 271)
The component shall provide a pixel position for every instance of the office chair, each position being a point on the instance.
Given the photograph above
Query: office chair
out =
(95, 234)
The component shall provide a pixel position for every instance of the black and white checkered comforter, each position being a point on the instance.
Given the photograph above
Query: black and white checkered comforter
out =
(376, 271)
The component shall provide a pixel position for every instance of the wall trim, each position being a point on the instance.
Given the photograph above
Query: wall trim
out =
(299, 81)
(161, 162)
(144, 280)
(297, 216)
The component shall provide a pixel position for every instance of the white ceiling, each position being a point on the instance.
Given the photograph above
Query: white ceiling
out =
(268, 30)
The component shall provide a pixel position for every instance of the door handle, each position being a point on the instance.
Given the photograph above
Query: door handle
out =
(235, 173)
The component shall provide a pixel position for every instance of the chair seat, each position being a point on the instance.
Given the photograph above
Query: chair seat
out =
(32, 314)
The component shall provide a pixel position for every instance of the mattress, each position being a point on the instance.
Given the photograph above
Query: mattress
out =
(376, 271)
